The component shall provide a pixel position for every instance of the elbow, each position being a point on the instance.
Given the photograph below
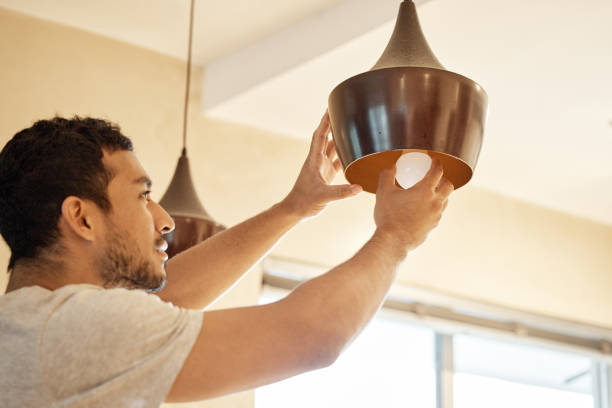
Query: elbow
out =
(321, 331)
(324, 356)
(331, 358)
(326, 342)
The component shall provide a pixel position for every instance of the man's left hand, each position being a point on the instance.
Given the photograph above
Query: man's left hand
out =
(313, 189)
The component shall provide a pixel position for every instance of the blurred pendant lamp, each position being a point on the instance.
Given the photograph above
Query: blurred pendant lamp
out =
(193, 223)
(407, 105)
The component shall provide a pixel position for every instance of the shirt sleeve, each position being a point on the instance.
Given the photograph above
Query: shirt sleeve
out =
(115, 347)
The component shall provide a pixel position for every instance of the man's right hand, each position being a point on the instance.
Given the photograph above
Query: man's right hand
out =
(407, 216)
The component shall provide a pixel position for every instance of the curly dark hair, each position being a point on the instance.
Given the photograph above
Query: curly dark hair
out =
(41, 166)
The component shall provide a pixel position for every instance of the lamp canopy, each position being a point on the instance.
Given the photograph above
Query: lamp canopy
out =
(407, 102)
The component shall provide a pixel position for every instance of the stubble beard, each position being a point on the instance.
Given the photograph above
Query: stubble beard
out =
(123, 265)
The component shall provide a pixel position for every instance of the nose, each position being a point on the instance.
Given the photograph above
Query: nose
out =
(163, 222)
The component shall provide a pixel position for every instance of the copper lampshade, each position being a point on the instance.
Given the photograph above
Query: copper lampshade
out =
(193, 223)
(407, 102)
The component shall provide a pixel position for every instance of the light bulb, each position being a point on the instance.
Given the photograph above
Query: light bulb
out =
(411, 168)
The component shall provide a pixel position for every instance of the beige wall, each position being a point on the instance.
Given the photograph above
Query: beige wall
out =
(487, 248)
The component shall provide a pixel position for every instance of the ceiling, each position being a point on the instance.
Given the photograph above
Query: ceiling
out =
(545, 65)
(221, 26)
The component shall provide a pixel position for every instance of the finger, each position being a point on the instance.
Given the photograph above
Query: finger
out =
(386, 180)
(332, 156)
(445, 188)
(444, 204)
(329, 173)
(330, 147)
(435, 173)
(319, 136)
(345, 191)
(337, 164)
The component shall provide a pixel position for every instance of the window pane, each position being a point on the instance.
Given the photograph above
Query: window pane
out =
(473, 391)
(390, 364)
(503, 374)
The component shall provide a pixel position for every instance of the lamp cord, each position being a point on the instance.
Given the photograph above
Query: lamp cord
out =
(188, 80)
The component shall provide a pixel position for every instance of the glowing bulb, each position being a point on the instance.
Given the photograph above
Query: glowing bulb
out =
(411, 168)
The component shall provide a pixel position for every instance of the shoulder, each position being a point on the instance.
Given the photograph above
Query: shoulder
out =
(121, 333)
(87, 293)
(90, 297)
(102, 311)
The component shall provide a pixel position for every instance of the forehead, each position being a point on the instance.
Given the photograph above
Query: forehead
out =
(125, 167)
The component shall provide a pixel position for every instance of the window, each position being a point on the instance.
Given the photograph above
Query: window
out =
(390, 365)
(404, 355)
(502, 374)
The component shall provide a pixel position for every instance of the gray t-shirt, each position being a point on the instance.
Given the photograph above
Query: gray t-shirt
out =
(85, 346)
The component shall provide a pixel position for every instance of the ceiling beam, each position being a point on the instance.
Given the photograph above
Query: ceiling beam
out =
(234, 74)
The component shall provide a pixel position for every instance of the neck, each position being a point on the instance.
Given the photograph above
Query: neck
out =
(49, 274)
(33, 273)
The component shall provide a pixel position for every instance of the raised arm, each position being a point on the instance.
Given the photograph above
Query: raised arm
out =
(239, 349)
(201, 274)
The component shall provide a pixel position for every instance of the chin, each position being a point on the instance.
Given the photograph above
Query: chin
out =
(162, 278)
(162, 271)
(159, 288)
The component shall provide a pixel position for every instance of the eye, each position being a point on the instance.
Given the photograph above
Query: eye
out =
(146, 195)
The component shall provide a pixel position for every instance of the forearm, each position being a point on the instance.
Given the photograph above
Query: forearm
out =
(199, 275)
(344, 299)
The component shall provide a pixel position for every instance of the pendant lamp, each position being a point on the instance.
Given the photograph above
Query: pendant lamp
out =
(193, 223)
(408, 102)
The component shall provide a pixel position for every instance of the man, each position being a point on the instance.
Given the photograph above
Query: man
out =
(85, 236)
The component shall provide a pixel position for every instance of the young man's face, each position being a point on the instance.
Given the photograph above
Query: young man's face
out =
(133, 248)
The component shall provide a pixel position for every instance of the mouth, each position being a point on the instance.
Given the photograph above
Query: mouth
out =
(163, 247)
(161, 250)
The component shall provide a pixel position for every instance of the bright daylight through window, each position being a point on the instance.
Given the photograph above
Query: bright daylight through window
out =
(389, 365)
(392, 364)
(501, 374)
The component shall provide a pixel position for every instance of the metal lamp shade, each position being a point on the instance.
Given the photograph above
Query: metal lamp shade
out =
(407, 102)
(193, 223)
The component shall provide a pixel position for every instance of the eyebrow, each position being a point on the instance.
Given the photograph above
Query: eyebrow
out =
(144, 180)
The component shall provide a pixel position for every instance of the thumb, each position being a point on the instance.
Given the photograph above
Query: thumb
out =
(386, 179)
(345, 191)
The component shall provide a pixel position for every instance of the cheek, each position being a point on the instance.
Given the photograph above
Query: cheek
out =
(146, 221)
(139, 220)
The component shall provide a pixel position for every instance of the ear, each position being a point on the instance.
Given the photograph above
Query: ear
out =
(80, 217)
